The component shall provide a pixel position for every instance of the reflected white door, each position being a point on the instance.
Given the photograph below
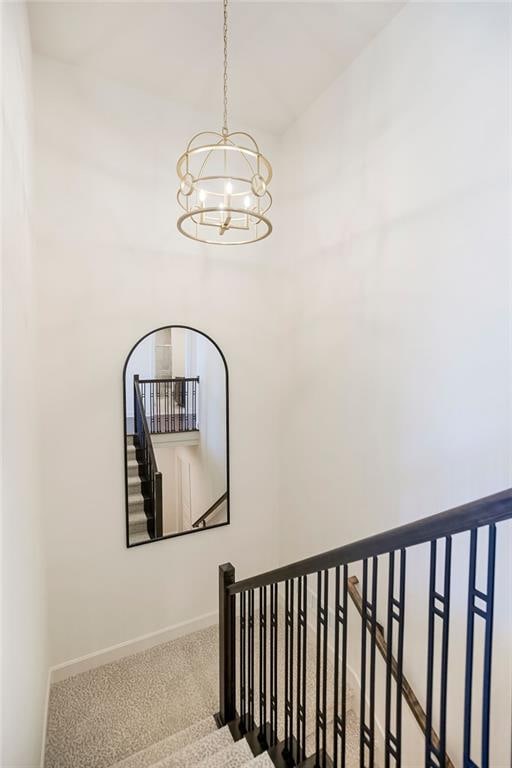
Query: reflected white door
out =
(184, 500)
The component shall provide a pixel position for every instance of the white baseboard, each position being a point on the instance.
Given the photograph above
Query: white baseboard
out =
(128, 647)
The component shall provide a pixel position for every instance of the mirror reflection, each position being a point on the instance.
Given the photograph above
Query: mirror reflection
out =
(176, 442)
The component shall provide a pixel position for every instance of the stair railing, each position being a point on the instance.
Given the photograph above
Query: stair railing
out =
(152, 475)
(171, 405)
(264, 653)
(203, 519)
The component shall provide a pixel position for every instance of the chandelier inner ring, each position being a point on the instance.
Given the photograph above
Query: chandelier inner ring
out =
(188, 218)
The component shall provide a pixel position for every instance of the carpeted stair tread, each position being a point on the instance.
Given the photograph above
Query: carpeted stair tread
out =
(170, 745)
(197, 751)
(136, 537)
(235, 755)
(262, 761)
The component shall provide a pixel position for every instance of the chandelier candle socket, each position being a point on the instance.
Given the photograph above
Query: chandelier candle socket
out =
(223, 182)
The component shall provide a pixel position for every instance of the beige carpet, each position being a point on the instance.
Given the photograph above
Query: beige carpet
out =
(100, 717)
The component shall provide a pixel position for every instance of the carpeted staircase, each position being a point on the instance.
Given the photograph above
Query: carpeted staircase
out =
(203, 745)
(137, 518)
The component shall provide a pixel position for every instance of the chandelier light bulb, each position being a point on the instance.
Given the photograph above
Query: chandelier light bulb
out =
(229, 177)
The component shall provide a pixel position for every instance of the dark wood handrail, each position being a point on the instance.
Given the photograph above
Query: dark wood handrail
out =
(491, 509)
(210, 510)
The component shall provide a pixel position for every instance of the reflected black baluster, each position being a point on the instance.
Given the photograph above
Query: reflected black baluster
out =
(151, 424)
(243, 664)
(263, 658)
(159, 409)
(166, 406)
(187, 404)
(273, 661)
(487, 614)
(173, 408)
(251, 659)
(439, 606)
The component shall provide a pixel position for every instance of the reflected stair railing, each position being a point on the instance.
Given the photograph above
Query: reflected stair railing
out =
(152, 476)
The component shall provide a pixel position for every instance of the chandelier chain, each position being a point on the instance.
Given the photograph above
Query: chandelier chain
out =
(225, 127)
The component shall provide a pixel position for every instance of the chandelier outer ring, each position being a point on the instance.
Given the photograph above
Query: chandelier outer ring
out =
(182, 166)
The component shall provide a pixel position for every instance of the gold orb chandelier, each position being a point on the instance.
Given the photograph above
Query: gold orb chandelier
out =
(223, 182)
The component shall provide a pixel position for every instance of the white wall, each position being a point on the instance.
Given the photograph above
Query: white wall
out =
(398, 295)
(24, 633)
(112, 267)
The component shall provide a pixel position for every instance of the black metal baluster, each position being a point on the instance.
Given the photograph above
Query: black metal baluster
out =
(243, 664)
(489, 623)
(487, 614)
(288, 671)
(362, 710)
(321, 666)
(302, 597)
(318, 666)
(250, 691)
(340, 697)
(439, 606)
(396, 611)
(273, 661)
(373, 649)
(263, 659)
(338, 619)
(369, 621)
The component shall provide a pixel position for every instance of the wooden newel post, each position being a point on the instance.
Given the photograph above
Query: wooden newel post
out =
(226, 644)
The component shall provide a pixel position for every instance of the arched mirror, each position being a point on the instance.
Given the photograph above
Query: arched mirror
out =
(176, 435)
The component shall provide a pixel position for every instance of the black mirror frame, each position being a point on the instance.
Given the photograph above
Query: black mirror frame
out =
(228, 500)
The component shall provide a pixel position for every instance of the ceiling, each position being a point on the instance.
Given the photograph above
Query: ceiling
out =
(282, 55)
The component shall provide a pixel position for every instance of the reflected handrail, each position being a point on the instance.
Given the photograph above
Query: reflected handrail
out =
(202, 520)
(154, 477)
